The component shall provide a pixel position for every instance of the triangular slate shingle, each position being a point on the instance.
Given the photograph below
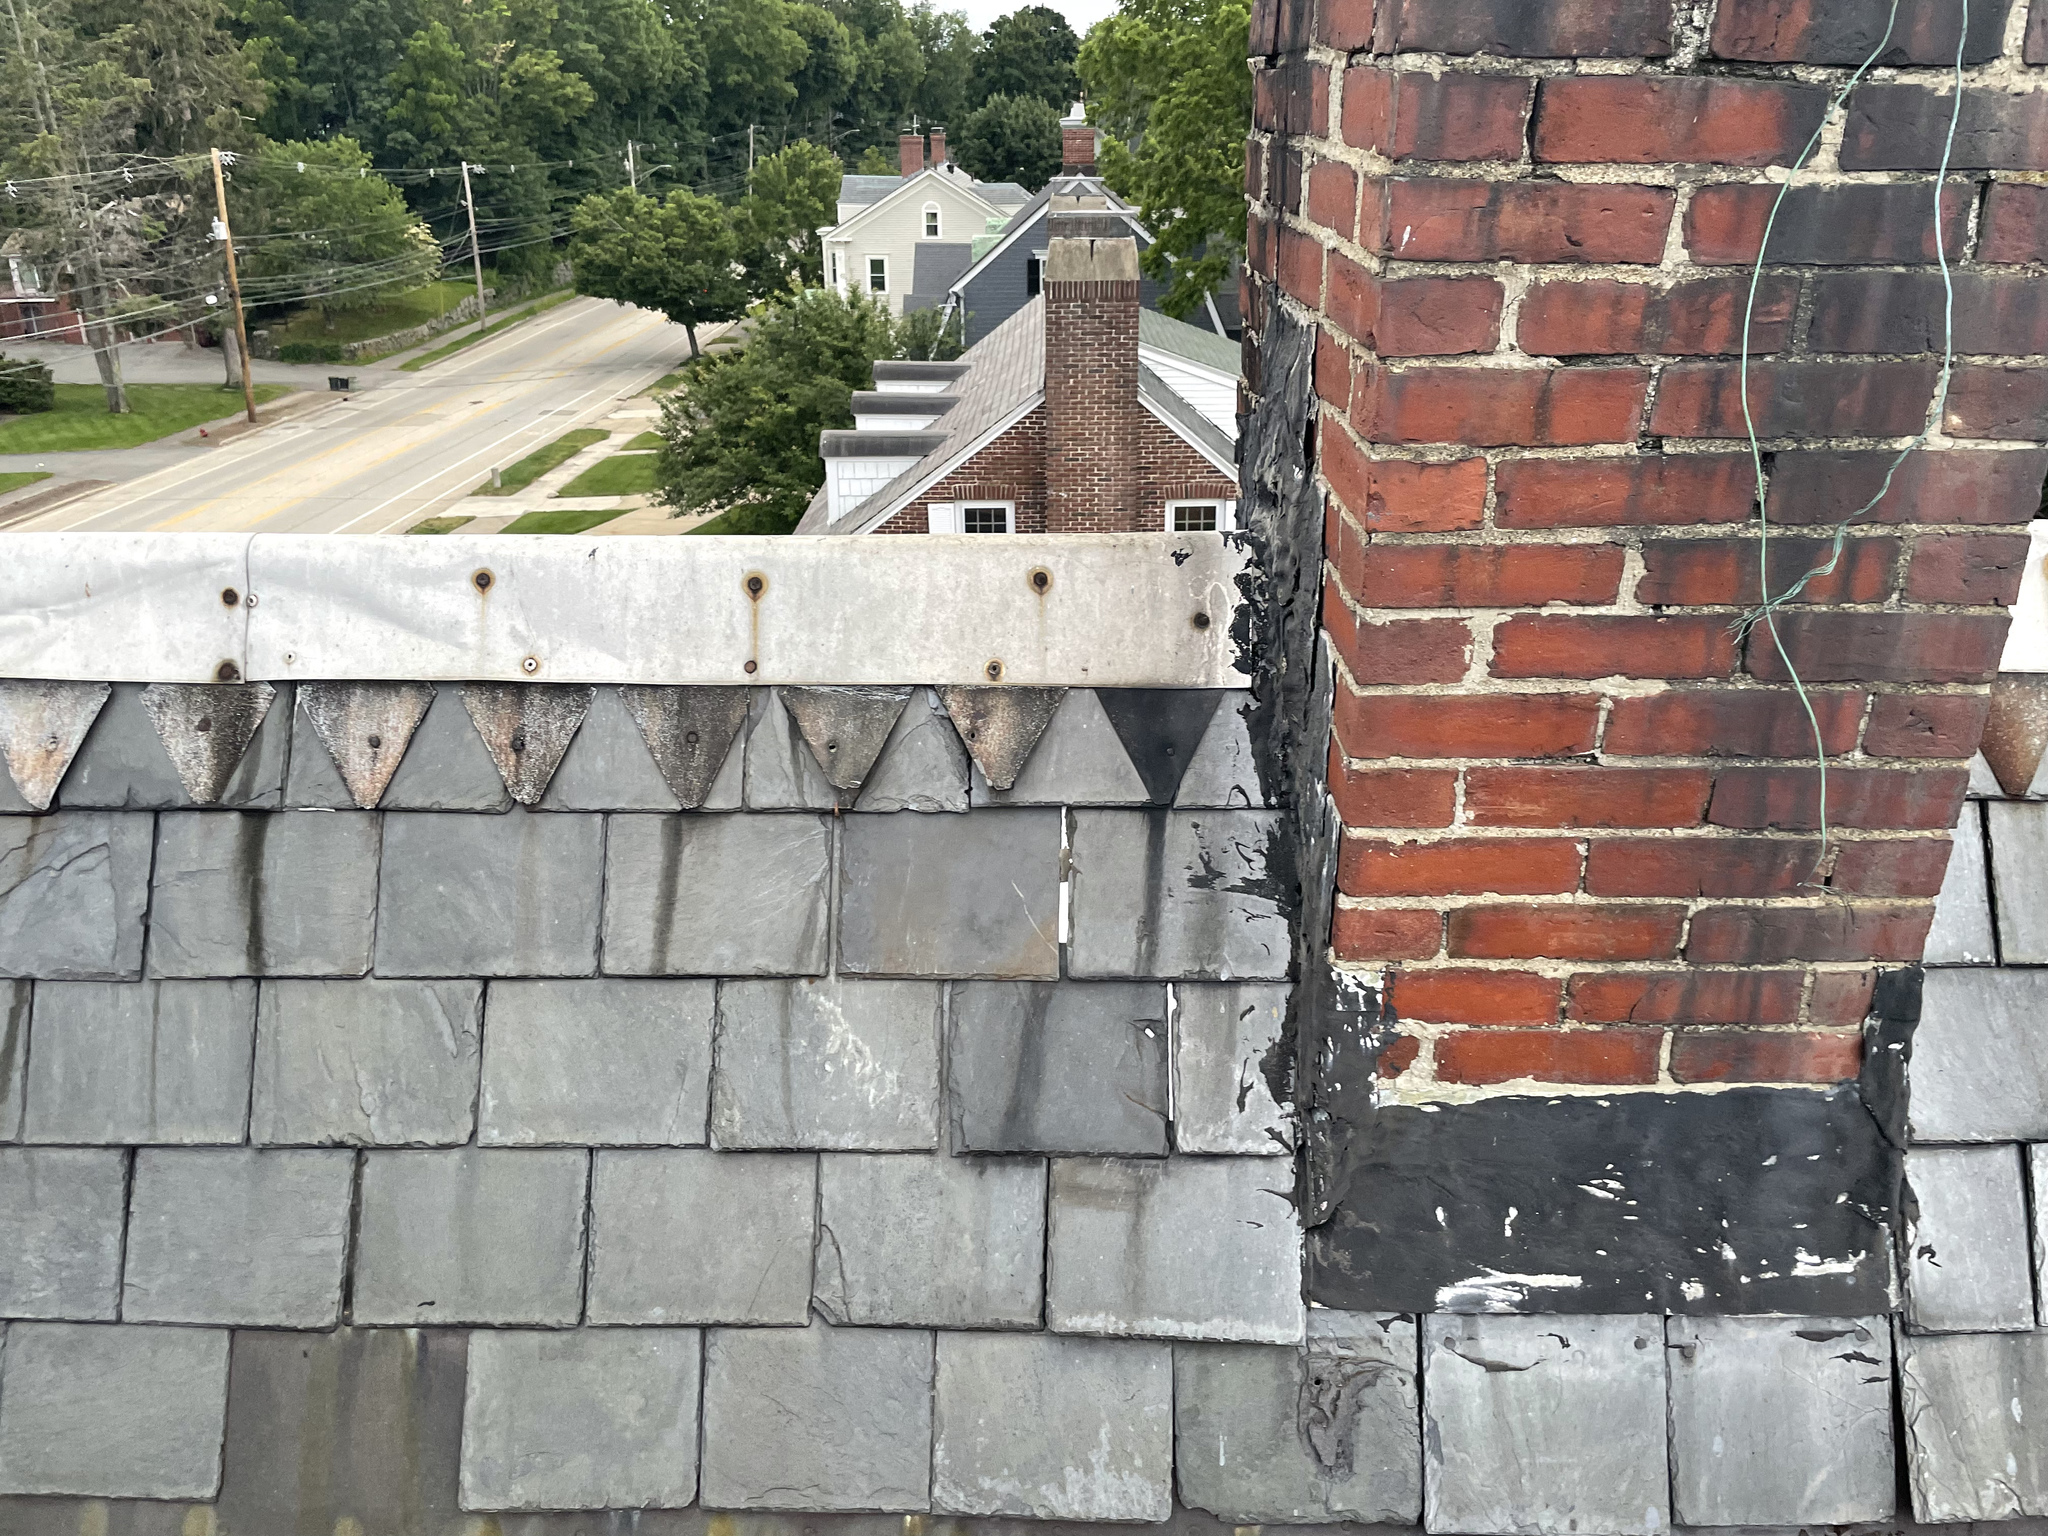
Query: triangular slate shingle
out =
(41, 727)
(527, 727)
(845, 728)
(1000, 726)
(1160, 729)
(689, 732)
(366, 728)
(205, 729)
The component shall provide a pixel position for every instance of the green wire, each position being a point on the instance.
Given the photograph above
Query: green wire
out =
(1766, 610)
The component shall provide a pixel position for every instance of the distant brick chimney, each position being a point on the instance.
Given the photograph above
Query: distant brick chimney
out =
(938, 146)
(1091, 384)
(910, 152)
(1077, 149)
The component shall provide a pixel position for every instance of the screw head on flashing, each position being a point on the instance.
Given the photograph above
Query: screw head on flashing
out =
(227, 672)
(1201, 621)
(756, 584)
(530, 664)
(229, 597)
(1041, 580)
(994, 671)
(482, 580)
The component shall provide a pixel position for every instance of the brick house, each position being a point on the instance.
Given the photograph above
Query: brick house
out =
(31, 304)
(1081, 413)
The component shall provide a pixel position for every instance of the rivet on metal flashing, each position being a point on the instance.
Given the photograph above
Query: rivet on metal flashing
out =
(1201, 621)
(482, 580)
(227, 672)
(1041, 580)
(249, 601)
(995, 671)
(756, 584)
(229, 597)
(530, 664)
(749, 668)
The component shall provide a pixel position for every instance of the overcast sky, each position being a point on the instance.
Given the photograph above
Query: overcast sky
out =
(1080, 14)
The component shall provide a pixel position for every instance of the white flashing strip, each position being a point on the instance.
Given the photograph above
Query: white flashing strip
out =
(2026, 643)
(1116, 610)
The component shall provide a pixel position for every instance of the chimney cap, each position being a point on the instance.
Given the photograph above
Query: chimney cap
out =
(1091, 260)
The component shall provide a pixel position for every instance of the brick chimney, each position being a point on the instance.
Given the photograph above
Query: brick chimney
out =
(1091, 384)
(910, 152)
(1077, 149)
(938, 146)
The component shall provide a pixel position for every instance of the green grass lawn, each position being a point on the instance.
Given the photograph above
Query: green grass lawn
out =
(517, 477)
(438, 525)
(623, 474)
(564, 521)
(415, 306)
(14, 480)
(663, 385)
(471, 338)
(155, 410)
(646, 442)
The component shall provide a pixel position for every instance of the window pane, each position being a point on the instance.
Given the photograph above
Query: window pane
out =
(1032, 276)
(984, 519)
(878, 274)
(1195, 518)
(931, 223)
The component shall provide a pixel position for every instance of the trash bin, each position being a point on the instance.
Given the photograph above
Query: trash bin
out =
(341, 383)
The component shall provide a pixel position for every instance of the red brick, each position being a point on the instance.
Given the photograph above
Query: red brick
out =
(1487, 575)
(1795, 399)
(1908, 312)
(1586, 797)
(1892, 866)
(1719, 722)
(1957, 486)
(1492, 407)
(1744, 1056)
(1987, 402)
(1398, 1056)
(1550, 1056)
(1841, 226)
(1907, 127)
(1606, 493)
(1841, 997)
(1837, 931)
(1474, 997)
(1333, 373)
(1692, 997)
(1397, 496)
(1650, 120)
(1437, 316)
(2015, 221)
(1562, 29)
(1407, 651)
(1881, 647)
(1393, 797)
(1459, 866)
(1700, 866)
(1333, 197)
(1787, 799)
(1549, 221)
(1926, 724)
(1353, 306)
(1802, 32)
(1414, 115)
(1980, 569)
(1687, 573)
(1472, 725)
(1341, 24)
(1564, 932)
(1562, 645)
(1386, 933)
(1602, 316)
(1300, 268)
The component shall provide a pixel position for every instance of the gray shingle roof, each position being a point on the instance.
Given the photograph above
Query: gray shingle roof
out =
(1198, 344)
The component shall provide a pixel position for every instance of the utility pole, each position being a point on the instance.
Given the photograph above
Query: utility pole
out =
(750, 157)
(476, 251)
(632, 175)
(227, 238)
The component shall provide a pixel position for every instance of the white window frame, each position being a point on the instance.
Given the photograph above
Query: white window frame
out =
(1226, 511)
(883, 263)
(832, 258)
(951, 516)
(931, 221)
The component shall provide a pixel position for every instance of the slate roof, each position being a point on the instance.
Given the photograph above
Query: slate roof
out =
(867, 189)
(1197, 344)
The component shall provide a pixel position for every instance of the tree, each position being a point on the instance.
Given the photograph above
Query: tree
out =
(796, 192)
(1168, 81)
(947, 43)
(741, 434)
(877, 161)
(1031, 52)
(1011, 138)
(678, 254)
(310, 223)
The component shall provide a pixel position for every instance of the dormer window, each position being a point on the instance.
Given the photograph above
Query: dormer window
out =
(931, 221)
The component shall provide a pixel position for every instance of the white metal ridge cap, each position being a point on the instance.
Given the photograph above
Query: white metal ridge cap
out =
(1105, 610)
(126, 607)
(2026, 643)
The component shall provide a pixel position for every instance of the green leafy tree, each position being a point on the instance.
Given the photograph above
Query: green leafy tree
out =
(310, 223)
(877, 161)
(678, 254)
(752, 51)
(741, 434)
(1031, 52)
(928, 336)
(1168, 81)
(946, 41)
(796, 193)
(1011, 138)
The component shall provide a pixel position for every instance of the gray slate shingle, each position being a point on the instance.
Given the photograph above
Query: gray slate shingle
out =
(235, 1237)
(1183, 894)
(956, 896)
(14, 1014)
(1961, 934)
(470, 1236)
(1973, 1408)
(1222, 1101)
(716, 895)
(923, 766)
(117, 1412)
(366, 1063)
(511, 895)
(122, 764)
(818, 1418)
(140, 1062)
(1967, 1267)
(1078, 761)
(60, 1231)
(72, 890)
(782, 773)
(609, 1061)
(446, 766)
(1038, 1427)
(1223, 772)
(2019, 868)
(1980, 1069)
(608, 768)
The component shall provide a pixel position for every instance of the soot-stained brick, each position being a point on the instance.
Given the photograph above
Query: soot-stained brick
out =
(1754, 1199)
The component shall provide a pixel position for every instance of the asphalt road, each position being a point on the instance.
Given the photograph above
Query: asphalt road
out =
(404, 447)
